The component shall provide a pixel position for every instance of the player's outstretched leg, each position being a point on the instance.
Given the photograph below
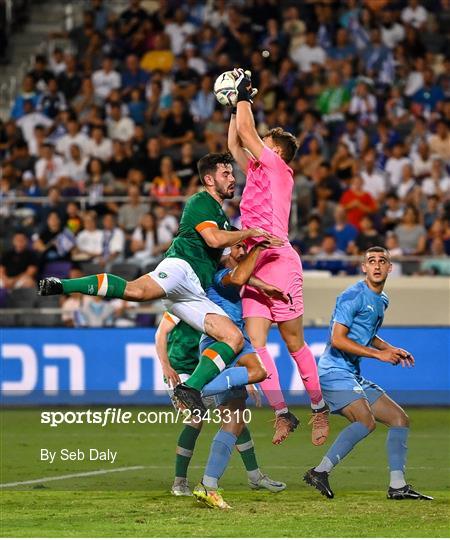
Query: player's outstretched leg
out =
(292, 333)
(363, 423)
(109, 285)
(185, 449)
(390, 413)
(256, 478)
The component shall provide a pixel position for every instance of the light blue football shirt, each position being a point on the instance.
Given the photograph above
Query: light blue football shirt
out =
(228, 298)
(361, 310)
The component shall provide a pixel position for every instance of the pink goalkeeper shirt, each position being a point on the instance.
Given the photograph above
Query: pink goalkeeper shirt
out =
(266, 200)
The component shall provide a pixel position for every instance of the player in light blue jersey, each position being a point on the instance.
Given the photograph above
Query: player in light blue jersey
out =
(229, 385)
(357, 317)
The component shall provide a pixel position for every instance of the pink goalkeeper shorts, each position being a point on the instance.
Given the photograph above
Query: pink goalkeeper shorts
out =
(280, 267)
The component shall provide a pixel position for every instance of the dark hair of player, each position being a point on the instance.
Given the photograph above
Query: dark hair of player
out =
(208, 164)
(377, 249)
(286, 141)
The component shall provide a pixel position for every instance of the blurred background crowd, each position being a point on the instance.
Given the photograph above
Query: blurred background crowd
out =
(100, 146)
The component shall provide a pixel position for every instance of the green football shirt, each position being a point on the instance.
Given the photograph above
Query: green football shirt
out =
(182, 346)
(201, 211)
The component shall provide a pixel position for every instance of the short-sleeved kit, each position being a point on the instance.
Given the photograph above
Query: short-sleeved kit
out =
(361, 310)
(190, 264)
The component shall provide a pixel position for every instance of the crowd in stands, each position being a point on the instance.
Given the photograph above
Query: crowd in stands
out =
(108, 127)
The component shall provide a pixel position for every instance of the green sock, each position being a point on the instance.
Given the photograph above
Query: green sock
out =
(213, 360)
(185, 449)
(244, 445)
(96, 285)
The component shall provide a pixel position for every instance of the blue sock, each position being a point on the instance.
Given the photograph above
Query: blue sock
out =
(231, 377)
(343, 444)
(219, 457)
(397, 448)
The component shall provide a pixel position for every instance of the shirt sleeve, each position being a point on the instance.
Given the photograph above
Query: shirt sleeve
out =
(200, 215)
(346, 309)
(218, 277)
(271, 160)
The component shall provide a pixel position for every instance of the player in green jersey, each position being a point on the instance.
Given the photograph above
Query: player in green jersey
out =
(180, 279)
(177, 346)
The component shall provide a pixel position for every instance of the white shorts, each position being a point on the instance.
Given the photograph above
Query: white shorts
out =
(185, 297)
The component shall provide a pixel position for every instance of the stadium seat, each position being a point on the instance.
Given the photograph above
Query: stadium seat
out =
(89, 268)
(22, 298)
(128, 271)
(59, 269)
(47, 319)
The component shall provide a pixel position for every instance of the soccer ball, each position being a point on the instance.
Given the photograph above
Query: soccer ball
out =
(225, 89)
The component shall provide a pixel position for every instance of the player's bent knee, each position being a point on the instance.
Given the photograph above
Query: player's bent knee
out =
(235, 340)
(400, 420)
(370, 423)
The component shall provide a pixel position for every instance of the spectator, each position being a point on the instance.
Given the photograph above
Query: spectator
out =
(161, 58)
(373, 178)
(343, 164)
(438, 183)
(166, 225)
(167, 184)
(30, 120)
(54, 242)
(216, 132)
(367, 237)
(113, 242)
(393, 211)
(99, 146)
(106, 79)
(51, 101)
(73, 136)
(395, 251)
(178, 127)
(310, 161)
(204, 103)
(40, 72)
(69, 79)
(363, 104)
(144, 244)
(414, 14)
(357, 203)
(432, 211)
(344, 233)
(132, 211)
(308, 53)
(333, 101)
(119, 127)
(19, 265)
(28, 94)
(440, 142)
(395, 164)
(439, 263)
(392, 32)
(411, 235)
(121, 163)
(49, 168)
(89, 242)
(133, 76)
(422, 161)
(329, 258)
(408, 183)
(186, 170)
(429, 97)
(312, 237)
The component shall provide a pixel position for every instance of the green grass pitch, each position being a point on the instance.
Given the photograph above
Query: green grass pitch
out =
(137, 502)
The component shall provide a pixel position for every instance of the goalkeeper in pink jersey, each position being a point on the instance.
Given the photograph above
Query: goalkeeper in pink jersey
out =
(266, 203)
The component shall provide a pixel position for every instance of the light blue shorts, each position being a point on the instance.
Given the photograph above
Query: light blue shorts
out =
(340, 388)
(235, 393)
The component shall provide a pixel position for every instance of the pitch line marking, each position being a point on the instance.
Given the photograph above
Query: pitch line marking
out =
(140, 467)
(75, 475)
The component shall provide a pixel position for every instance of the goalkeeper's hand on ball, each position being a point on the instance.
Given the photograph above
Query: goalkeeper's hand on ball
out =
(245, 92)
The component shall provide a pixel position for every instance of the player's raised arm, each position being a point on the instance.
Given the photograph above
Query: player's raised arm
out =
(217, 238)
(235, 145)
(245, 123)
(167, 324)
